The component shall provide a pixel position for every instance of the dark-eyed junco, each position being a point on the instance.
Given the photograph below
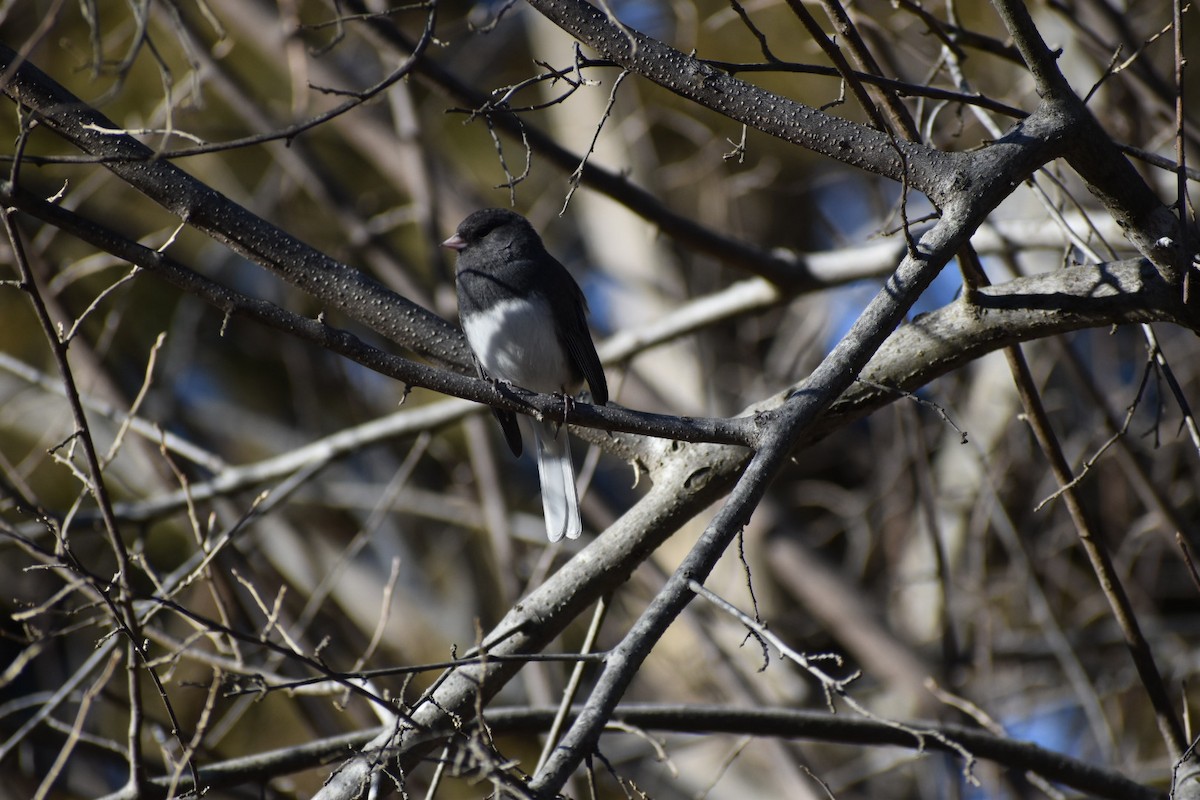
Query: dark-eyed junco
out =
(526, 321)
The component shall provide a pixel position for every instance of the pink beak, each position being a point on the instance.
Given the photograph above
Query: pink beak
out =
(455, 242)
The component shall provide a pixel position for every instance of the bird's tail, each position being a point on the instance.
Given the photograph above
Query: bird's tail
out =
(560, 501)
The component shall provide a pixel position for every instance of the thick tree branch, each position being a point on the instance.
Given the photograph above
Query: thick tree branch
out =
(920, 167)
(333, 283)
(996, 316)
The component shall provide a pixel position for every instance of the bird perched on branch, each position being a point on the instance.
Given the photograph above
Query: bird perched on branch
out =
(525, 318)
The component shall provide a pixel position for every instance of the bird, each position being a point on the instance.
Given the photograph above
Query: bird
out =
(525, 319)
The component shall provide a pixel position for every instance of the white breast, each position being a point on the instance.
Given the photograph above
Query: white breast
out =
(515, 341)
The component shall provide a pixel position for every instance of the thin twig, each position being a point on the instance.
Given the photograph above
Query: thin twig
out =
(577, 175)
(572, 687)
(837, 687)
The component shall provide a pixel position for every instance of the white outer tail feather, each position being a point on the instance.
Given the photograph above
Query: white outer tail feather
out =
(560, 500)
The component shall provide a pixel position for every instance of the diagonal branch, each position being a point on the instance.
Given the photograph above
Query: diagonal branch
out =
(923, 168)
(202, 207)
(782, 429)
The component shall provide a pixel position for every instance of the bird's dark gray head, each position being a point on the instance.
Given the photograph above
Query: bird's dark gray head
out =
(502, 229)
